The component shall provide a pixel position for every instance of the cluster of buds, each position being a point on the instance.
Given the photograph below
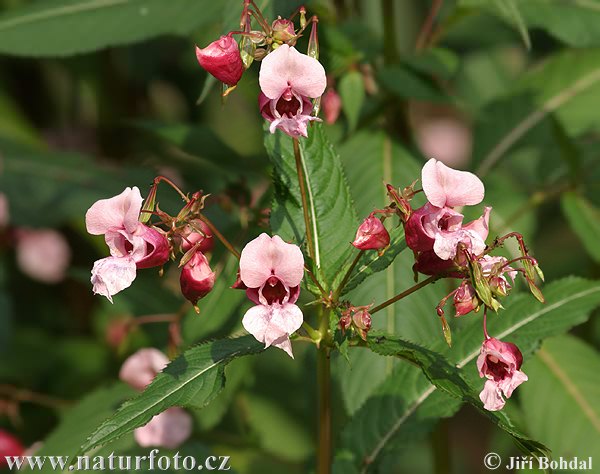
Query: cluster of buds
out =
(356, 318)
(291, 83)
(137, 243)
(444, 246)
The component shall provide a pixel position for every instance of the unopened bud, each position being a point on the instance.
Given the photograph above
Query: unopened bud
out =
(371, 235)
(222, 59)
(332, 106)
(196, 232)
(197, 279)
(465, 299)
(283, 30)
(362, 323)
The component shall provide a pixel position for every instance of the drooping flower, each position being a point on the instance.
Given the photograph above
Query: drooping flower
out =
(197, 279)
(42, 254)
(140, 368)
(288, 80)
(132, 244)
(371, 235)
(499, 362)
(272, 270)
(168, 429)
(222, 59)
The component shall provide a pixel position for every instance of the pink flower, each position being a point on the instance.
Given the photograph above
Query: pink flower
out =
(494, 268)
(168, 429)
(371, 235)
(499, 362)
(288, 79)
(272, 271)
(9, 446)
(197, 279)
(222, 59)
(140, 368)
(43, 254)
(132, 244)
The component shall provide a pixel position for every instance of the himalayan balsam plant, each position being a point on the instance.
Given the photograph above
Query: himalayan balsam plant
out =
(299, 275)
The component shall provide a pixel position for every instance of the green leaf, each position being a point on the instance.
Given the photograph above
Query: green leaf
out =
(585, 221)
(192, 380)
(352, 92)
(331, 211)
(65, 27)
(510, 10)
(397, 405)
(561, 400)
(406, 84)
(79, 421)
(447, 377)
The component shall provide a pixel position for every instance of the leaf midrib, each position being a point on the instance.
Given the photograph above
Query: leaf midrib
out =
(388, 435)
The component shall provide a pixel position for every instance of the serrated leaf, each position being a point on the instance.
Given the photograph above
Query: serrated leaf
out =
(191, 380)
(524, 322)
(65, 27)
(585, 221)
(352, 92)
(447, 377)
(332, 214)
(561, 400)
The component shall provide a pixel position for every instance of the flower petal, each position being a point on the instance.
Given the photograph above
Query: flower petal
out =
(445, 186)
(168, 429)
(287, 68)
(111, 275)
(140, 368)
(118, 212)
(491, 397)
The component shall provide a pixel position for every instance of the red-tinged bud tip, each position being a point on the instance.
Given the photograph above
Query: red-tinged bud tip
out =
(222, 59)
(371, 235)
(197, 279)
(9, 446)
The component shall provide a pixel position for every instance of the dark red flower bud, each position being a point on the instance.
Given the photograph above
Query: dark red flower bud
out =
(9, 446)
(222, 59)
(197, 279)
(371, 235)
(465, 299)
(190, 237)
(362, 323)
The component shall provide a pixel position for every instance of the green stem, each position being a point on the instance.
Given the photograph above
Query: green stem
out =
(405, 293)
(302, 182)
(347, 275)
(220, 236)
(324, 388)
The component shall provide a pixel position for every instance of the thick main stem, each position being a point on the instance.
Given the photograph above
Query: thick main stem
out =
(302, 183)
(324, 388)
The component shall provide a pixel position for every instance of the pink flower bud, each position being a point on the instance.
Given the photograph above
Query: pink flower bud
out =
(43, 254)
(499, 362)
(222, 59)
(465, 299)
(197, 279)
(157, 249)
(283, 30)
(362, 322)
(9, 446)
(168, 429)
(345, 321)
(190, 237)
(332, 106)
(371, 235)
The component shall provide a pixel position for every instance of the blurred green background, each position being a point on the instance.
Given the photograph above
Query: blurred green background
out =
(95, 97)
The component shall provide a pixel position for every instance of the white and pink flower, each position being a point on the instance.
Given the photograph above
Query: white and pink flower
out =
(499, 362)
(272, 270)
(132, 244)
(288, 80)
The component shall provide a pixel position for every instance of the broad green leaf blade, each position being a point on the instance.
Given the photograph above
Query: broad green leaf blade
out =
(65, 27)
(585, 221)
(448, 378)
(331, 210)
(511, 12)
(352, 92)
(524, 322)
(561, 400)
(78, 422)
(191, 380)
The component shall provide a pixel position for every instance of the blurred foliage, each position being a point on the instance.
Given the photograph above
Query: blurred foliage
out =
(98, 95)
